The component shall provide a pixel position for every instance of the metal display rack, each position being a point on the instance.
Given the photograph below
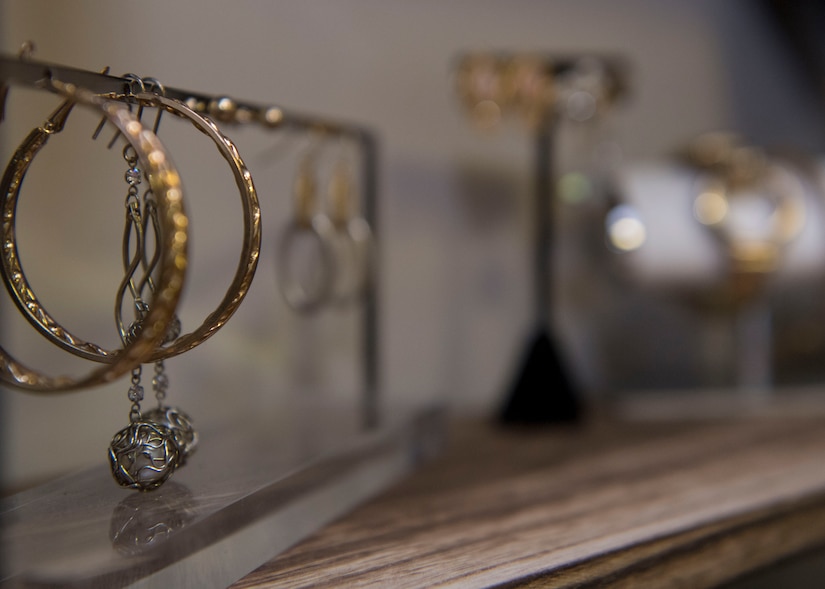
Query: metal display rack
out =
(226, 110)
(203, 529)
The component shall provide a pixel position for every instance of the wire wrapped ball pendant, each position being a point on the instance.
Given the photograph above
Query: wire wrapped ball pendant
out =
(143, 455)
(180, 424)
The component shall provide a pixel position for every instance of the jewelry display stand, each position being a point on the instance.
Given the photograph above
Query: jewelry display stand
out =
(225, 110)
(255, 487)
(538, 88)
(543, 391)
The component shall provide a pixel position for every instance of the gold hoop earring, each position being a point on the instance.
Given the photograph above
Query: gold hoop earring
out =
(37, 315)
(353, 236)
(172, 223)
(306, 220)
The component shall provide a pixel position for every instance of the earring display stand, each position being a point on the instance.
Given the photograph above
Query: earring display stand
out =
(539, 88)
(226, 110)
(543, 391)
(253, 488)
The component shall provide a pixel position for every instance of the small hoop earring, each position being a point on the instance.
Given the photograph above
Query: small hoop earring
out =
(172, 223)
(306, 221)
(352, 232)
(37, 315)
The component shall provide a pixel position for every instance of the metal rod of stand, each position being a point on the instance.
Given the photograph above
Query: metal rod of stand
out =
(543, 195)
(371, 409)
(543, 391)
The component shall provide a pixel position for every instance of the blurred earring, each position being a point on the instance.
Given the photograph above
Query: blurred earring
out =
(304, 294)
(353, 237)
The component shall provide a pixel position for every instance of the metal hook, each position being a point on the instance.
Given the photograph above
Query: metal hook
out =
(4, 94)
(102, 122)
(57, 120)
(130, 91)
(133, 79)
(157, 88)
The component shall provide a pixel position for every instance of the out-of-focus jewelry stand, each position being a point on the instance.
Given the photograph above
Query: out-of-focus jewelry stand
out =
(252, 489)
(731, 171)
(735, 219)
(541, 89)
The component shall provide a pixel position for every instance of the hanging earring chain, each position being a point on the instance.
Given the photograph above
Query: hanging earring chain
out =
(135, 395)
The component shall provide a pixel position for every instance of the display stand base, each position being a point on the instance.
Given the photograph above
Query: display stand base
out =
(542, 392)
(249, 492)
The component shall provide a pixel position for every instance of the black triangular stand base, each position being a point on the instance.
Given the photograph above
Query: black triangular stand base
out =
(542, 392)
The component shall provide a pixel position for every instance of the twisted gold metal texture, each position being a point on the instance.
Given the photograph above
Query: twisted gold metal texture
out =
(40, 319)
(173, 224)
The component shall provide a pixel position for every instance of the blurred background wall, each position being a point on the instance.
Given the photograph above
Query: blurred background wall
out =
(455, 204)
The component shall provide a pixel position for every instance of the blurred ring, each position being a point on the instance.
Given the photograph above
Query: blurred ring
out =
(295, 295)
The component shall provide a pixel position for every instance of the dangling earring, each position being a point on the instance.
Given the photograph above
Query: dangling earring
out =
(138, 451)
(306, 219)
(180, 424)
(353, 235)
(145, 453)
(173, 418)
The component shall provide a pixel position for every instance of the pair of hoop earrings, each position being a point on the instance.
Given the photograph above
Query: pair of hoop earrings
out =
(339, 232)
(144, 454)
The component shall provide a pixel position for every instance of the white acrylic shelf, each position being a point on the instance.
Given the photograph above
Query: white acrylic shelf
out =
(250, 491)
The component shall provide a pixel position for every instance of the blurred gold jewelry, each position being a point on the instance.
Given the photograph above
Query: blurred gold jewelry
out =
(529, 88)
(481, 89)
(173, 224)
(733, 174)
(538, 88)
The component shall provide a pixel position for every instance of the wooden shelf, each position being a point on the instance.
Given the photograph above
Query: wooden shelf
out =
(609, 503)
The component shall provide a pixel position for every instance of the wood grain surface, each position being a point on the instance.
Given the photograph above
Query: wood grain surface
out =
(606, 504)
